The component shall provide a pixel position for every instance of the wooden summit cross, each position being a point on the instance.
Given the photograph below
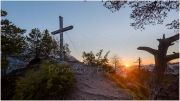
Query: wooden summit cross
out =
(61, 30)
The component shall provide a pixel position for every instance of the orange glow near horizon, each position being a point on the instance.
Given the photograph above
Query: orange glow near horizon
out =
(127, 65)
(131, 63)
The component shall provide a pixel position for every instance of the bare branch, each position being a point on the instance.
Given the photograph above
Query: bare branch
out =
(172, 56)
(173, 38)
(170, 39)
(148, 49)
(171, 44)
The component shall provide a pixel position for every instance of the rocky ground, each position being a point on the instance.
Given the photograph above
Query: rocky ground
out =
(93, 85)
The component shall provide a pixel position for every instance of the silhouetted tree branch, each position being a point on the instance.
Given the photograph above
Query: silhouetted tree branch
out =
(173, 38)
(174, 24)
(169, 41)
(145, 12)
(172, 56)
(148, 49)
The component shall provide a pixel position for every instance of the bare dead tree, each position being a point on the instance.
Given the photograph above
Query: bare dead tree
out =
(139, 61)
(116, 60)
(161, 60)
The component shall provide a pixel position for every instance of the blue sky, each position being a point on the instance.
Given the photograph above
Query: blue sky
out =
(95, 27)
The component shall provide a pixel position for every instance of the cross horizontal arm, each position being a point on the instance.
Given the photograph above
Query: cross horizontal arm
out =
(62, 30)
(55, 32)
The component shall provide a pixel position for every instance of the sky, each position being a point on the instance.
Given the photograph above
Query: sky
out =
(95, 27)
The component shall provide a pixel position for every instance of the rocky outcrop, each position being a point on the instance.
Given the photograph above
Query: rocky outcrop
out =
(93, 85)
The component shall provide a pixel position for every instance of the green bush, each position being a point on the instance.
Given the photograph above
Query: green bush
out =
(50, 80)
(133, 83)
(139, 75)
(140, 91)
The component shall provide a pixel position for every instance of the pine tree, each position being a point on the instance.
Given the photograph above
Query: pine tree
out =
(105, 59)
(66, 51)
(55, 47)
(12, 40)
(34, 42)
(88, 58)
(99, 57)
(46, 43)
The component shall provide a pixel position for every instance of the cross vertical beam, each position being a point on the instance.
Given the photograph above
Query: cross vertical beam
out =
(61, 30)
(61, 37)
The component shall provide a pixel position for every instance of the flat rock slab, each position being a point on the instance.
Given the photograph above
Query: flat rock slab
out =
(93, 85)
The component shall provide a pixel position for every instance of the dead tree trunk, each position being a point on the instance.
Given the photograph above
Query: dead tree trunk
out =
(161, 60)
(139, 62)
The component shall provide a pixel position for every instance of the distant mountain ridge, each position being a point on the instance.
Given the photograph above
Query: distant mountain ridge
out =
(172, 68)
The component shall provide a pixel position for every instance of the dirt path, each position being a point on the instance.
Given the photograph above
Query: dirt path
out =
(93, 85)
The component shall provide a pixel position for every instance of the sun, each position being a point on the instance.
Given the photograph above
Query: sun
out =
(127, 65)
